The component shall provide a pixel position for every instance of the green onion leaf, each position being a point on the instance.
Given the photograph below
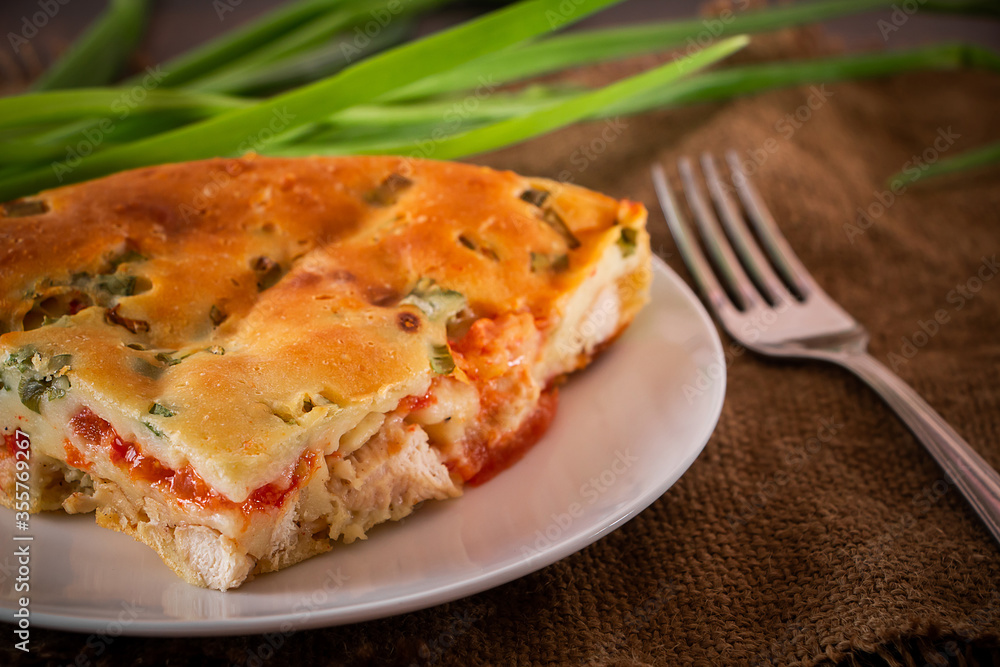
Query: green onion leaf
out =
(578, 107)
(241, 130)
(441, 360)
(980, 157)
(585, 47)
(388, 191)
(721, 84)
(65, 105)
(268, 272)
(99, 53)
(118, 285)
(627, 241)
(153, 429)
(735, 81)
(437, 303)
(60, 363)
(23, 359)
(233, 76)
(216, 315)
(539, 199)
(59, 385)
(543, 262)
(169, 360)
(128, 257)
(321, 61)
(146, 369)
(31, 391)
(161, 410)
(236, 43)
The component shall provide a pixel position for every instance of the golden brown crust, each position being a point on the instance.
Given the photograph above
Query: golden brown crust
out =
(197, 247)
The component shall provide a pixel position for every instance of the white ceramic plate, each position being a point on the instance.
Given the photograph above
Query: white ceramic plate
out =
(627, 428)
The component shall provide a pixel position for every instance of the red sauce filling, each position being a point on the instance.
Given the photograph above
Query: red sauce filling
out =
(75, 458)
(493, 354)
(491, 458)
(185, 484)
(11, 445)
(414, 403)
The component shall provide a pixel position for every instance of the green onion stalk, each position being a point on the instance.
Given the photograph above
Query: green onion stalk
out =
(374, 100)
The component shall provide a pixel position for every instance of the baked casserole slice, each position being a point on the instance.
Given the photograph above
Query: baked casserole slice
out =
(240, 362)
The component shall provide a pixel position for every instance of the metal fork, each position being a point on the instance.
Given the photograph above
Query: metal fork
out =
(765, 299)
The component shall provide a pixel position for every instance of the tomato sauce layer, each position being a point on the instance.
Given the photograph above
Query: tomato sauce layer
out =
(490, 459)
(184, 484)
(10, 444)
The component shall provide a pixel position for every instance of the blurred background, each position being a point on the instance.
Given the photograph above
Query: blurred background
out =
(178, 25)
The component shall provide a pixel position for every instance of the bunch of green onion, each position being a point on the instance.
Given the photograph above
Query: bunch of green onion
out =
(335, 77)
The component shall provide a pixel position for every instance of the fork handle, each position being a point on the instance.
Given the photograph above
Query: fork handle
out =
(974, 477)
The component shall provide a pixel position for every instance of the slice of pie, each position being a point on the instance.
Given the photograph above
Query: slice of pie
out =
(240, 362)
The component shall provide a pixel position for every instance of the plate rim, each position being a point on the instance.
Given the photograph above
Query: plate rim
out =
(394, 606)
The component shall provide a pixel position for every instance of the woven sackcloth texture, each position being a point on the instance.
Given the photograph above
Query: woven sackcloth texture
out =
(813, 529)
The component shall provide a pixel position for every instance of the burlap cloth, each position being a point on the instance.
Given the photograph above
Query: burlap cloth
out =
(813, 529)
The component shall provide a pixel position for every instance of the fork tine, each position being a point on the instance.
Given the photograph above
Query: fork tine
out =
(743, 243)
(693, 258)
(788, 265)
(715, 241)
